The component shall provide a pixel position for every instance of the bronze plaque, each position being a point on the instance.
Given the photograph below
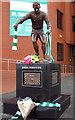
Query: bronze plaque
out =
(31, 79)
(54, 77)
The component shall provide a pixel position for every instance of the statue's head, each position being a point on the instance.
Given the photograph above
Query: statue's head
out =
(36, 6)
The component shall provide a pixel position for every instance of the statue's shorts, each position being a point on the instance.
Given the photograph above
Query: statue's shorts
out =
(39, 33)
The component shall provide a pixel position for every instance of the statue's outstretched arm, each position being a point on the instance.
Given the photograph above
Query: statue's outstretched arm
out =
(20, 21)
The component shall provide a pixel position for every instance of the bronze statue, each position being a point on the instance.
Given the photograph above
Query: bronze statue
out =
(37, 17)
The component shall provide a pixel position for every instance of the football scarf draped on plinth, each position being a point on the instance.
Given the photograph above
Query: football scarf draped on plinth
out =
(43, 104)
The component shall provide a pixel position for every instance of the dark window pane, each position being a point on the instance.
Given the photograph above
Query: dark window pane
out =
(73, 51)
(73, 23)
(59, 51)
(59, 20)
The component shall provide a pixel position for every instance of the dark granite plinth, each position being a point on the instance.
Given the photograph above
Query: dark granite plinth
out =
(41, 82)
(10, 107)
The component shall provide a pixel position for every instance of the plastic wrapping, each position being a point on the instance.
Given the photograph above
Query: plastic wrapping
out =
(25, 106)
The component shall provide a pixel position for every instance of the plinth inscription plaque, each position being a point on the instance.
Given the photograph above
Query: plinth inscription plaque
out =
(31, 78)
(54, 77)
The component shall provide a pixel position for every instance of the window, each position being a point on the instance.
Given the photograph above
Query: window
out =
(59, 51)
(73, 51)
(59, 20)
(73, 23)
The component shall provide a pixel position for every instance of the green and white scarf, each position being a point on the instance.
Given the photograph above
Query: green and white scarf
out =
(17, 115)
(48, 47)
(14, 47)
(43, 104)
(47, 104)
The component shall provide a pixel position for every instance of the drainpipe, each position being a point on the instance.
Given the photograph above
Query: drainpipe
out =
(70, 59)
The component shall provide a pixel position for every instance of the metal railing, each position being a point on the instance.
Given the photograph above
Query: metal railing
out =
(64, 68)
(67, 68)
(9, 61)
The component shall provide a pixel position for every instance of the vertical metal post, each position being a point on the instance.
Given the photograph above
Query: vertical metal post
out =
(8, 65)
(63, 68)
(70, 59)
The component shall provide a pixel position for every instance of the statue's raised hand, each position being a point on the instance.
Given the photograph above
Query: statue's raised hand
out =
(15, 25)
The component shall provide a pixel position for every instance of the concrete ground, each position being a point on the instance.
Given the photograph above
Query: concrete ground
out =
(67, 87)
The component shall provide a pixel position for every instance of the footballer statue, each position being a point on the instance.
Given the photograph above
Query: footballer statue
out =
(37, 18)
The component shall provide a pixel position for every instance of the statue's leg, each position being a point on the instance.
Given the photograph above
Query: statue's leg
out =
(42, 37)
(35, 45)
(43, 49)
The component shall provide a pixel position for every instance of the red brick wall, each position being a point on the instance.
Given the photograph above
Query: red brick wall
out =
(0, 29)
(52, 13)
